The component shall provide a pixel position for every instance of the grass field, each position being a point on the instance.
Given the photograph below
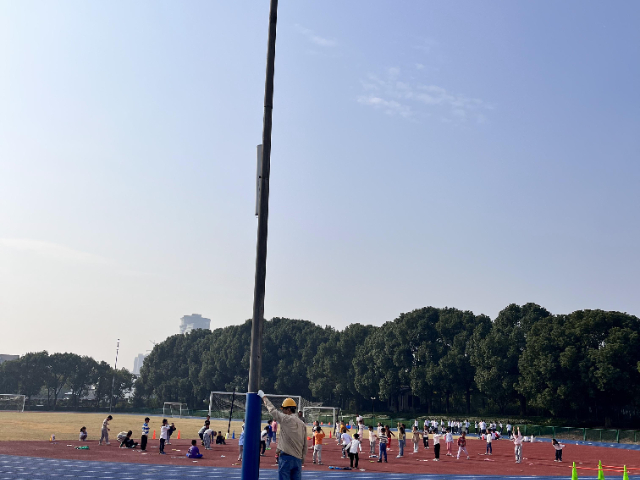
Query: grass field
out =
(66, 426)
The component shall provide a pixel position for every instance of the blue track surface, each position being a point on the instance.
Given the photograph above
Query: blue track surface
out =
(30, 468)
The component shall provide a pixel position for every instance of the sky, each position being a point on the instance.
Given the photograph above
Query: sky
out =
(464, 154)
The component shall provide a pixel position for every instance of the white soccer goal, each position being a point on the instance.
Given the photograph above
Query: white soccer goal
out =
(324, 415)
(220, 404)
(175, 409)
(11, 402)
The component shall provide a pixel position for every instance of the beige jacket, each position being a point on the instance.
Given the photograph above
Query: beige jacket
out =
(293, 433)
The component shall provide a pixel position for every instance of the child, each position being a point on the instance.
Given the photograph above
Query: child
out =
(270, 436)
(425, 435)
(208, 438)
(462, 446)
(353, 448)
(345, 438)
(240, 446)
(274, 428)
(105, 430)
(194, 452)
(558, 447)
(202, 430)
(164, 429)
(389, 433)
(372, 443)
(448, 438)
(263, 440)
(220, 439)
(436, 446)
(416, 438)
(402, 440)
(317, 446)
(83, 434)
(490, 436)
(517, 446)
(172, 429)
(145, 434)
(382, 438)
(127, 441)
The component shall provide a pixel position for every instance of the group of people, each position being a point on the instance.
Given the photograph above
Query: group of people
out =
(125, 438)
(292, 445)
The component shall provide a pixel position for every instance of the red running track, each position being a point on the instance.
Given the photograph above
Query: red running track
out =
(538, 457)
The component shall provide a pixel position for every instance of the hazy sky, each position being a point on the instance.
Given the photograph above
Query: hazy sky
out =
(466, 154)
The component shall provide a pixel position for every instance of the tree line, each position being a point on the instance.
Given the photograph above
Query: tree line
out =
(51, 377)
(584, 365)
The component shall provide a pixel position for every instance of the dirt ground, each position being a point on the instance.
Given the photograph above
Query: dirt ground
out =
(538, 457)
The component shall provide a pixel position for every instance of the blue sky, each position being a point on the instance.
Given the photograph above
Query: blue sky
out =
(465, 154)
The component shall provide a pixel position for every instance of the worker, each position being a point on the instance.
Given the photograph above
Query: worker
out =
(292, 444)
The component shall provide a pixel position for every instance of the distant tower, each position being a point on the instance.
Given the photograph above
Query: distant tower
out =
(137, 363)
(194, 322)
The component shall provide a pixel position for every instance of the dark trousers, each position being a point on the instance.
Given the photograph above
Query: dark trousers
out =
(425, 441)
(162, 440)
(143, 442)
(559, 455)
(436, 450)
(263, 446)
(351, 457)
(489, 448)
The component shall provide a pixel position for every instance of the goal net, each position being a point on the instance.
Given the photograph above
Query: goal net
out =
(229, 405)
(175, 409)
(11, 402)
(323, 415)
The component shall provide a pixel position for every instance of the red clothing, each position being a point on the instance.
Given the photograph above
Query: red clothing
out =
(462, 442)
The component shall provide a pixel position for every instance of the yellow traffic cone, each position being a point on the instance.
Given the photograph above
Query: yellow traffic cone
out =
(625, 475)
(574, 472)
(600, 471)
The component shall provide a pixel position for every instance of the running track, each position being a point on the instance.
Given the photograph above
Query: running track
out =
(31, 468)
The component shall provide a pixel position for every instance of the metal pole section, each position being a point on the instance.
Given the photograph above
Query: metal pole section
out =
(113, 380)
(251, 454)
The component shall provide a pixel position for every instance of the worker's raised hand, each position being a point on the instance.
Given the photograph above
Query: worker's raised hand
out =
(260, 393)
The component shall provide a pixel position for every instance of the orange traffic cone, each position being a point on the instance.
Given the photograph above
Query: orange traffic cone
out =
(154, 435)
(178, 434)
(329, 433)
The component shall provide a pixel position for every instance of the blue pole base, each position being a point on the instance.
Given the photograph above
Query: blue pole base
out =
(251, 451)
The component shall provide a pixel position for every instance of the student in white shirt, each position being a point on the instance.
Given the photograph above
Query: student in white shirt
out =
(345, 439)
(164, 435)
(490, 437)
(436, 446)
(448, 438)
(372, 443)
(354, 446)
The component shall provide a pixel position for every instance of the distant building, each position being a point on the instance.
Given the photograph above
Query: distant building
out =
(194, 322)
(137, 363)
(7, 358)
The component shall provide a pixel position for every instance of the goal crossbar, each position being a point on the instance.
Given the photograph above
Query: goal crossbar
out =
(230, 404)
(175, 409)
(312, 414)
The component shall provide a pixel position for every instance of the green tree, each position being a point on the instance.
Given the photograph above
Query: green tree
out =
(82, 375)
(496, 355)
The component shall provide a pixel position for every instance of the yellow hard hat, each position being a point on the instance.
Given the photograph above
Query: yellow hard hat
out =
(288, 402)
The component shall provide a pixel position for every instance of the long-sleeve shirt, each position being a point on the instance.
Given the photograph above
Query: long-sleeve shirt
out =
(517, 439)
(145, 428)
(293, 432)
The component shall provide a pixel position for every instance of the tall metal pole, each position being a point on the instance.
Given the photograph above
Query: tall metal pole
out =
(113, 380)
(251, 454)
